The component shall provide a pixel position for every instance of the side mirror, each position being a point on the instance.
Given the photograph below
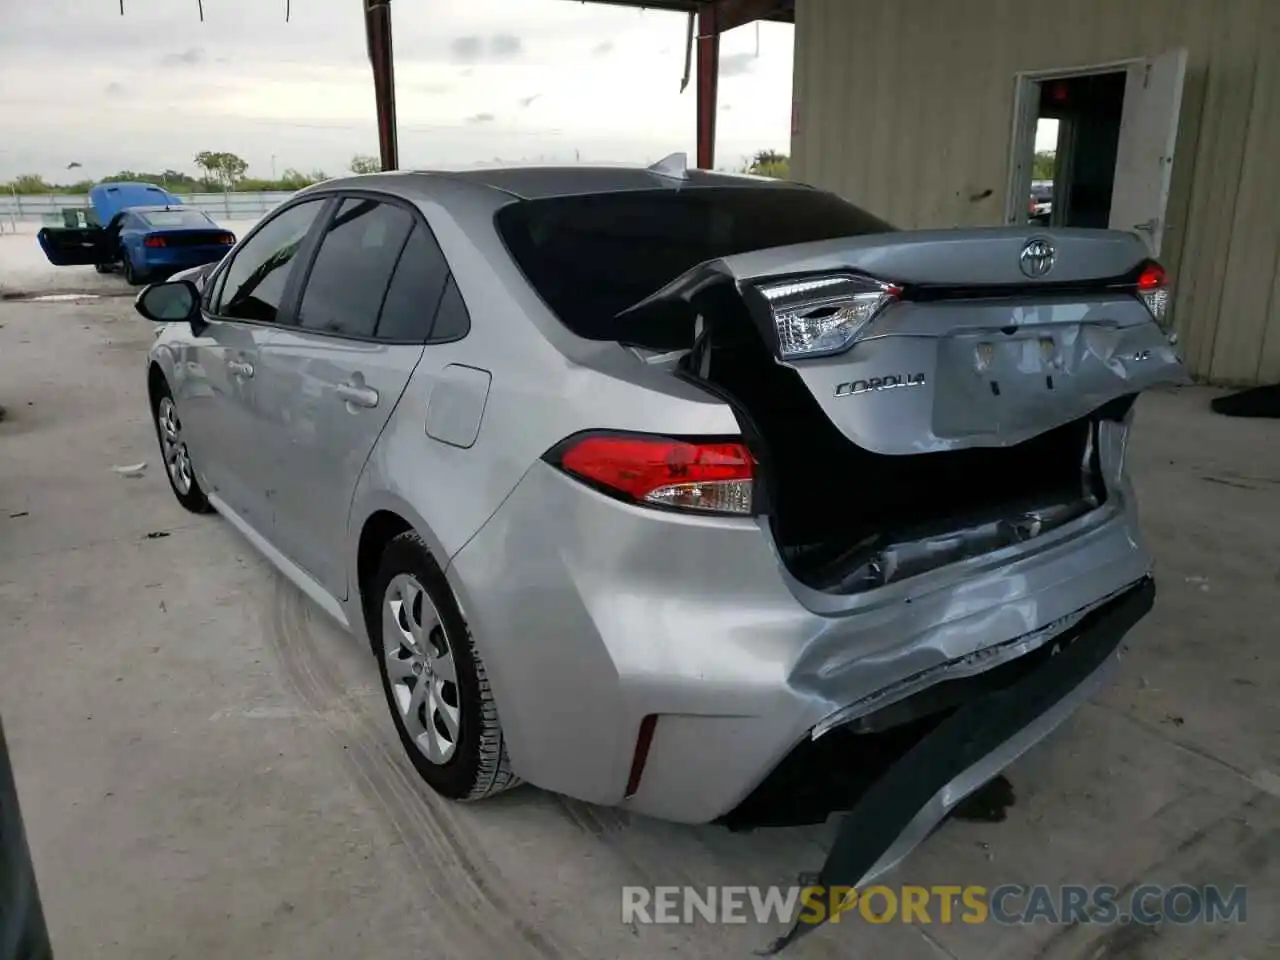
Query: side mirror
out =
(173, 300)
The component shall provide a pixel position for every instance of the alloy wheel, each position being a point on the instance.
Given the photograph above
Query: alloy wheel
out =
(420, 669)
(177, 460)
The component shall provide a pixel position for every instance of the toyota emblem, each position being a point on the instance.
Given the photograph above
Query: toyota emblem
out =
(1037, 258)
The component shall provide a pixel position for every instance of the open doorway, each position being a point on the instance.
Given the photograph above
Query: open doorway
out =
(1093, 146)
(1081, 177)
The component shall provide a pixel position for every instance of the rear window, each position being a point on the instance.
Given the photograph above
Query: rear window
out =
(592, 256)
(176, 218)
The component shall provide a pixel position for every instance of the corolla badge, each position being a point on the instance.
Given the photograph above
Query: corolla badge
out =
(892, 381)
(1037, 258)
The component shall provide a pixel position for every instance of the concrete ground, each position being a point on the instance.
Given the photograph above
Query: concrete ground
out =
(208, 770)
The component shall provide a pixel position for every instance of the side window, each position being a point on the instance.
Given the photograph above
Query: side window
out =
(253, 284)
(412, 298)
(453, 322)
(349, 278)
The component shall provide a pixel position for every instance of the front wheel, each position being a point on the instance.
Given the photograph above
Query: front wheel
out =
(175, 456)
(434, 681)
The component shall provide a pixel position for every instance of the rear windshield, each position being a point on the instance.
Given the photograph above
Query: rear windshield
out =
(594, 255)
(177, 218)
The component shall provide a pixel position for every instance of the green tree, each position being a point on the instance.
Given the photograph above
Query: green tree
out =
(363, 163)
(30, 183)
(1042, 165)
(222, 167)
(769, 163)
(295, 180)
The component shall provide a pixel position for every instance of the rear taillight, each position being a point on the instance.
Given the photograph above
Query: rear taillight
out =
(820, 316)
(707, 477)
(153, 241)
(1153, 290)
(229, 239)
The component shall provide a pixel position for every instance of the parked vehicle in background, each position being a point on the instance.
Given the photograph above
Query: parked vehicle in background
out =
(138, 228)
(639, 483)
(1041, 207)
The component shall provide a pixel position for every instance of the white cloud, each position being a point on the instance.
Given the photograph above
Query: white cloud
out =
(554, 79)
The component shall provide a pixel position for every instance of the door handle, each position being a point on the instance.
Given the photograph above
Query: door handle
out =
(241, 369)
(1148, 227)
(358, 394)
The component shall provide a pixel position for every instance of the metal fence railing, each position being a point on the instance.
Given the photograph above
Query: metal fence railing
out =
(47, 208)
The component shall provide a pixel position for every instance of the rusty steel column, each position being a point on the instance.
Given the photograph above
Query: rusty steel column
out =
(708, 83)
(377, 22)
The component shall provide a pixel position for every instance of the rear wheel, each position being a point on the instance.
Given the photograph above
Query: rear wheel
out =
(102, 267)
(434, 681)
(133, 276)
(175, 456)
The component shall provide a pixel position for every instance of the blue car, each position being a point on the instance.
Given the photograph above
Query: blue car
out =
(141, 229)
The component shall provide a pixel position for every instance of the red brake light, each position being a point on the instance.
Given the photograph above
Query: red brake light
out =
(1152, 277)
(1153, 290)
(711, 477)
(229, 239)
(153, 241)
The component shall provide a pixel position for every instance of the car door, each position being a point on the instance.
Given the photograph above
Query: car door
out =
(71, 246)
(216, 385)
(331, 379)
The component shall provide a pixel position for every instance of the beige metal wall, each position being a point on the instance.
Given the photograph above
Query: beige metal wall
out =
(906, 107)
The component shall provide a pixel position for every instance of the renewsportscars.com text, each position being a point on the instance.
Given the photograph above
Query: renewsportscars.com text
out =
(1007, 904)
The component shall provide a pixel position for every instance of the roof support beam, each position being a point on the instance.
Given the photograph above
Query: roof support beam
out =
(738, 13)
(377, 24)
(708, 83)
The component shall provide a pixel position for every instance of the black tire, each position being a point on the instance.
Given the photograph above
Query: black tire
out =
(478, 766)
(192, 498)
(135, 278)
(102, 267)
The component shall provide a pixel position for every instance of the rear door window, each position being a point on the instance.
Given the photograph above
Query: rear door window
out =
(593, 255)
(352, 271)
(410, 306)
(253, 285)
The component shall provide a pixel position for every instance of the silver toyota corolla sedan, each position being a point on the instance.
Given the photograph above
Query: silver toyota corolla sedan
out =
(644, 484)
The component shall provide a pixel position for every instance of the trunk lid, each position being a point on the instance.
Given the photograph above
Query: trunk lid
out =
(984, 337)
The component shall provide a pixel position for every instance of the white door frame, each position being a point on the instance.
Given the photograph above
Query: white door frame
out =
(1026, 107)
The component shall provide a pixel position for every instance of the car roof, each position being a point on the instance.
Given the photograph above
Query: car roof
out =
(531, 183)
(538, 182)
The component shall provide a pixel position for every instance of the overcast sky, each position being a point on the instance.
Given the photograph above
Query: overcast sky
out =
(477, 80)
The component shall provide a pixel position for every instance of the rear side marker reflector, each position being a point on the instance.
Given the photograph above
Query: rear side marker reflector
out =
(702, 477)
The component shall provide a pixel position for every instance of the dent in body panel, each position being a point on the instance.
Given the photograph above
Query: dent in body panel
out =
(456, 406)
(708, 625)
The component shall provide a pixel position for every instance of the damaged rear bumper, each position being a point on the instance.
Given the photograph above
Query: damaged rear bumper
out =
(974, 743)
(606, 628)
